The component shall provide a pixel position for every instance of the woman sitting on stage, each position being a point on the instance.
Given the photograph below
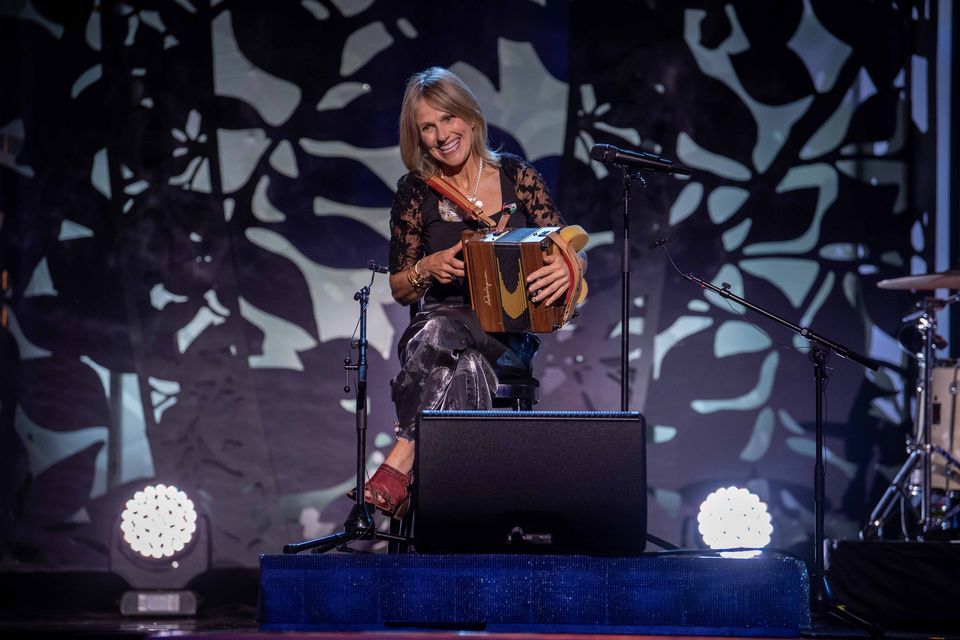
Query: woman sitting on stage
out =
(447, 360)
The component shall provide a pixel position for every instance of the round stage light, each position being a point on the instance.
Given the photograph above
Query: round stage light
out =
(158, 521)
(733, 517)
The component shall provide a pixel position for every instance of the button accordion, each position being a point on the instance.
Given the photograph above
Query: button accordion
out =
(497, 265)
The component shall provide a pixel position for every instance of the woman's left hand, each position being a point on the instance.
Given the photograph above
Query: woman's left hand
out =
(549, 282)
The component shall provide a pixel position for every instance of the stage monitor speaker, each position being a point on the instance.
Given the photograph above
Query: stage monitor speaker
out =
(530, 482)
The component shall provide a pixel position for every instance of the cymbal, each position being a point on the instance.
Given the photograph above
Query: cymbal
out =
(929, 281)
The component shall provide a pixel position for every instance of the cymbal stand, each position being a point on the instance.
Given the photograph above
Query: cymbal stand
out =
(928, 324)
(921, 449)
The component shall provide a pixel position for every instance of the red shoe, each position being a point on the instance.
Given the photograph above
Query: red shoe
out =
(389, 491)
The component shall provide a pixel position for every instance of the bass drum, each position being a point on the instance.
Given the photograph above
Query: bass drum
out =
(945, 426)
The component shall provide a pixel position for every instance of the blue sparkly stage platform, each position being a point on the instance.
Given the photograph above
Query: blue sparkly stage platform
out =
(666, 593)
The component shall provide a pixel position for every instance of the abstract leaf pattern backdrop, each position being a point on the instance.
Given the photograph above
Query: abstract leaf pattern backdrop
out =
(191, 191)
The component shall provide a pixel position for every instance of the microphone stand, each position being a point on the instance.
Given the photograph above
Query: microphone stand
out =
(359, 524)
(819, 354)
(625, 159)
(628, 177)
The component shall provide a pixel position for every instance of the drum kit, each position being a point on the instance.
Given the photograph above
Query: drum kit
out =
(927, 485)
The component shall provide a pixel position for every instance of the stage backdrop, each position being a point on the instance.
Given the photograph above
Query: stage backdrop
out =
(191, 190)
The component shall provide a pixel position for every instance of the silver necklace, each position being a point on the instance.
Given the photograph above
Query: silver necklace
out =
(476, 187)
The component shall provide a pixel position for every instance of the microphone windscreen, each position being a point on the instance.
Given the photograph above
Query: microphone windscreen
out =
(601, 152)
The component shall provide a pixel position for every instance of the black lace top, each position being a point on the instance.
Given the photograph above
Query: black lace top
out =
(418, 229)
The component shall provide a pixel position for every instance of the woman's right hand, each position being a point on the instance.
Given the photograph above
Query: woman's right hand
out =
(443, 266)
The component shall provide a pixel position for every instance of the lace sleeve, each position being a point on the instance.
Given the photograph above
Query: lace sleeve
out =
(406, 224)
(533, 193)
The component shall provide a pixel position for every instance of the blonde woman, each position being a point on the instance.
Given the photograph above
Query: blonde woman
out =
(447, 361)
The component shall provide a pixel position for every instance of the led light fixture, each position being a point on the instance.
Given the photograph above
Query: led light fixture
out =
(159, 545)
(732, 517)
(159, 521)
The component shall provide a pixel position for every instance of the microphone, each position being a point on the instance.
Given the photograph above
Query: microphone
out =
(659, 243)
(373, 266)
(609, 154)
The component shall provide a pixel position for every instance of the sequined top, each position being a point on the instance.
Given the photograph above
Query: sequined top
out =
(418, 226)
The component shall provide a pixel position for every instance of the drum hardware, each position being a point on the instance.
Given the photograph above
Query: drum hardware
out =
(915, 477)
(951, 498)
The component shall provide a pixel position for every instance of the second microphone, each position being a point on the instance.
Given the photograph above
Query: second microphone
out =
(609, 154)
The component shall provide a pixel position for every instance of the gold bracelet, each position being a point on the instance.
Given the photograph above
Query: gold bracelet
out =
(422, 280)
(418, 282)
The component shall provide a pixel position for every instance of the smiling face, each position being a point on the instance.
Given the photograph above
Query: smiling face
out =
(441, 124)
(446, 137)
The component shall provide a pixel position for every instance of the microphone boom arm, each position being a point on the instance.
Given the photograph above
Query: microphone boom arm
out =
(803, 332)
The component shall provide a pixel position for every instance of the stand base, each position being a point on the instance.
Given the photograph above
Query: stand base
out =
(660, 542)
(827, 612)
(359, 525)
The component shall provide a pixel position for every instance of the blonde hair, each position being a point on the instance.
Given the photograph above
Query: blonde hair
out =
(443, 91)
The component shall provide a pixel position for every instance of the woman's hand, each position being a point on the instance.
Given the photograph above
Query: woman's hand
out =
(548, 283)
(443, 266)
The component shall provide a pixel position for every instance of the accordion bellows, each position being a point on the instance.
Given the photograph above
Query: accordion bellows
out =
(498, 263)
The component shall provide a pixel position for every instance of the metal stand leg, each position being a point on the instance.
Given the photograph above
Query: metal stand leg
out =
(922, 452)
(898, 488)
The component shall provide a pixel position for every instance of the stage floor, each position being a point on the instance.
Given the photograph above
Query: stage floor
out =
(230, 626)
(238, 623)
